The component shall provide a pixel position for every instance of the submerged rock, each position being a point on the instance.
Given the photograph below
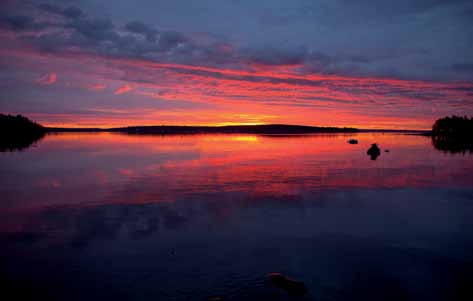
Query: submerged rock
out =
(353, 141)
(374, 151)
(386, 150)
(292, 287)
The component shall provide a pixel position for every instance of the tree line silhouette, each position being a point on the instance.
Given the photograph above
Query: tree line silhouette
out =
(453, 134)
(18, 132)
(450, 134)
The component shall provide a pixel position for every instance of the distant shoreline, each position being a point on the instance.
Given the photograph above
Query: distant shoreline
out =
(275, 129)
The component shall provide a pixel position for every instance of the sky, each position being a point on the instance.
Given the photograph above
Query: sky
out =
(367, 64)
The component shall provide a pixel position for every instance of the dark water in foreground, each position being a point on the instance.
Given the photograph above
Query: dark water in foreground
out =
(117, 217)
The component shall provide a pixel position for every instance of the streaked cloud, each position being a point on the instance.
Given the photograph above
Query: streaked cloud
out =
(98, 87)
(47, 79)
(122, 90)
(297, 62)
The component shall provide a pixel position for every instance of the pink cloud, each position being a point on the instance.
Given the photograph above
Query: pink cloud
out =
(98, 87)
(47, 79)
(122, 90)
(284, 93)
(126, 172)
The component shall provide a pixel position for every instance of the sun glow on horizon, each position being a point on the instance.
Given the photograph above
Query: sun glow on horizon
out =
(62, 75)
(104, 126)
(202, 96)
(175, 94)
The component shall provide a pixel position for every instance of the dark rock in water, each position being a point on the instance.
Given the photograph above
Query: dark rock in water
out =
(386, 150)
(374, 151)
(292, 287)
(353, 141)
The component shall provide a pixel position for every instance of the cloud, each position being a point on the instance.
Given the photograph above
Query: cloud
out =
(400, 7)
(101, 36)
(384, 50)
(463, 67)
(50, 8)
(141, 28)
(122, 90)
(47, 79)
(96, 29)
(170, 39)
(97, 87)
(72, 12)
(276, 56)
(308, 59)
(17, 22)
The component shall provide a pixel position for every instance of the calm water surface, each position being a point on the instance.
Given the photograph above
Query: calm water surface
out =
(120, 217)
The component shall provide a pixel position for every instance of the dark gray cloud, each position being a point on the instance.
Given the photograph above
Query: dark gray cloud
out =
(50, 8)
(95, 29)
(72, 12)
(17, 22)
(141, 28)
(275, 56)
(463, 67)
(397, 8)
(170, 39)
(420, 39)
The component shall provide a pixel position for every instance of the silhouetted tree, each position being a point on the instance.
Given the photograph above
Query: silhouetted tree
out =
(453, 134)
(18, 132)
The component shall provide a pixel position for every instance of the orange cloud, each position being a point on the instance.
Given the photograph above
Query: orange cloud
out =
(122, 90)
(47, 79)
(202, 95)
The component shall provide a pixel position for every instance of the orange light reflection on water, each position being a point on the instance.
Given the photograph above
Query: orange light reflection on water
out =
(81, 168)
(101, 169)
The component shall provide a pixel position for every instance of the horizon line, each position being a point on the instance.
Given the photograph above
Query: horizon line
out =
(233, 125)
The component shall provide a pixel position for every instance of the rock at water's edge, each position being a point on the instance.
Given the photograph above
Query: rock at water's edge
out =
(292, 287)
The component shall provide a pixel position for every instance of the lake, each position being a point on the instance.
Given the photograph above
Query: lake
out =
(104, 216)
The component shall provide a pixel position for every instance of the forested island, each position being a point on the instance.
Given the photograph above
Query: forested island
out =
(268, 129)
(453, 134)
(18, 132)
(240, 129)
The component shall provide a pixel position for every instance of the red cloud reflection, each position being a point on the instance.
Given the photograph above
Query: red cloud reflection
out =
(115, 168)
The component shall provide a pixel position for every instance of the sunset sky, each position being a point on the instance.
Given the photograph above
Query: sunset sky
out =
(368, 64)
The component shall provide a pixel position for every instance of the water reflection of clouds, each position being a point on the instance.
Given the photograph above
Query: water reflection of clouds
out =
(420, 215)
(79, 226)
(114, 168)
(198, 213)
